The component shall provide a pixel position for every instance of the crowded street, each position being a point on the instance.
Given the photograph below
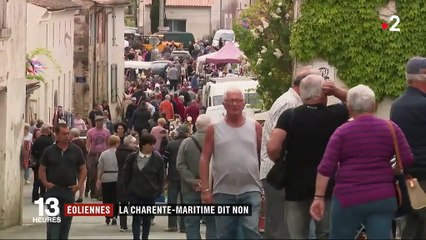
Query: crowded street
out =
(83, 227)
(212, 119)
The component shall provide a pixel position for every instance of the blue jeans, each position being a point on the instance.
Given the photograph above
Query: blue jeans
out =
(60, 230)
(172, 198)
(299, 220)
(38, 188)
(145, 220)
(275, 227)
(232, 227)
(26, 173)
(376, 216)
(192, 223)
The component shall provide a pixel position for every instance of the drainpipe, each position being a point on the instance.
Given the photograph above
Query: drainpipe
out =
(95, 89)
(107, 46)
(210, 22)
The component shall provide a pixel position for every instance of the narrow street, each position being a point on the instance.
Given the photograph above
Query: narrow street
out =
(82, 227)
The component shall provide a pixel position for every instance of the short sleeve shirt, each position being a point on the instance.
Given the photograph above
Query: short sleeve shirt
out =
(308, 127)
(98, 139)
(62, 167)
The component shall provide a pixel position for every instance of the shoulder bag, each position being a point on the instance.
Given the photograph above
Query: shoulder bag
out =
(403, 198)
(415, 193)
(277, 176)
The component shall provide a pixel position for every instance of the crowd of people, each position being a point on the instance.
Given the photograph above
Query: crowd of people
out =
(182, 69)
(338, 171)
(344, 182)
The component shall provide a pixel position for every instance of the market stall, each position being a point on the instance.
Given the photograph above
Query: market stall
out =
(230, 53)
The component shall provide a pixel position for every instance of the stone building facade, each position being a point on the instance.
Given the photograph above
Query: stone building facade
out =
(52, 27)
(99, 58)
(12, 104)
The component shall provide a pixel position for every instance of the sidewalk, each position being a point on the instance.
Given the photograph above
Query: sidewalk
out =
(82, 227)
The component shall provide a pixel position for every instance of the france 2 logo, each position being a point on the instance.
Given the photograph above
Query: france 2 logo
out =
(394, 27)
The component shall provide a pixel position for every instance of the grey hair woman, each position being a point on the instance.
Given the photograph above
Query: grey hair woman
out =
(357, 157)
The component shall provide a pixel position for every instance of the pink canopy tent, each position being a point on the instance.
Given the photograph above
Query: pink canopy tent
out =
(227, 54)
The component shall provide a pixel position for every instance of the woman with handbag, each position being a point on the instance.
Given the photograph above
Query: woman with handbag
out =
(358, 158)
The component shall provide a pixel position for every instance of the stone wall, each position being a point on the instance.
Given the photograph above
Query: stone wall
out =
(81, 104)
(106, 49)
(12, 105)
(198, 19)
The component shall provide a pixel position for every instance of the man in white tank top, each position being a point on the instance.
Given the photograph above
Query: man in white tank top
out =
(234, 144)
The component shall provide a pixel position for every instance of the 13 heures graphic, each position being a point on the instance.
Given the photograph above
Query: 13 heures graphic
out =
(48, 211)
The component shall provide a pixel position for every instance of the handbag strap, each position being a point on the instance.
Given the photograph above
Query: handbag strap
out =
(399, 167)
(291, 123)
(197, 144)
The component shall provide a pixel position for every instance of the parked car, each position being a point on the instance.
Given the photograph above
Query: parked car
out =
(133, 37)
(181, 37)
(159, 39)
(182, 55)
(160, 67)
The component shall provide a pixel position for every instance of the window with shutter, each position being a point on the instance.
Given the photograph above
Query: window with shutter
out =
(3, 13)
(5, 32)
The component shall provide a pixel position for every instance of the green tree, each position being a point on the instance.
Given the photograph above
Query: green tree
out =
(154, 15)
(135, 12)
(263, 33)
(349, 36)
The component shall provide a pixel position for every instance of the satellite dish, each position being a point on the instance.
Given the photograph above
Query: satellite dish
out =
(154, 41)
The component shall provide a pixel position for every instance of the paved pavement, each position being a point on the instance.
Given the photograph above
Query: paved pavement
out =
(82, 227)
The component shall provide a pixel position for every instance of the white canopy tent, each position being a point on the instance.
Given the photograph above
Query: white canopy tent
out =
(204, 57)
(201, 60)
(137, 64)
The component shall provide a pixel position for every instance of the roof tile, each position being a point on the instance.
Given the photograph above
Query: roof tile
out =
(112, 2)
(54, 5)
(185, 3)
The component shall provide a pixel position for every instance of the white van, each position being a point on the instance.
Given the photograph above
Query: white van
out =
(231, 79)
(213, 92)
(225, 34)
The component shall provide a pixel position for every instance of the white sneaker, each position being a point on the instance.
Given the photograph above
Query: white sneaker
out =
(27, 182)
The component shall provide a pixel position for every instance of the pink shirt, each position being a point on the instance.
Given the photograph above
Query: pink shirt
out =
(98, 139)
(155, 131)
(80, 124)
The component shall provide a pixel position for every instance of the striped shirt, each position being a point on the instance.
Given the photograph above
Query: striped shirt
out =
(289, 99)
(358, 156)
